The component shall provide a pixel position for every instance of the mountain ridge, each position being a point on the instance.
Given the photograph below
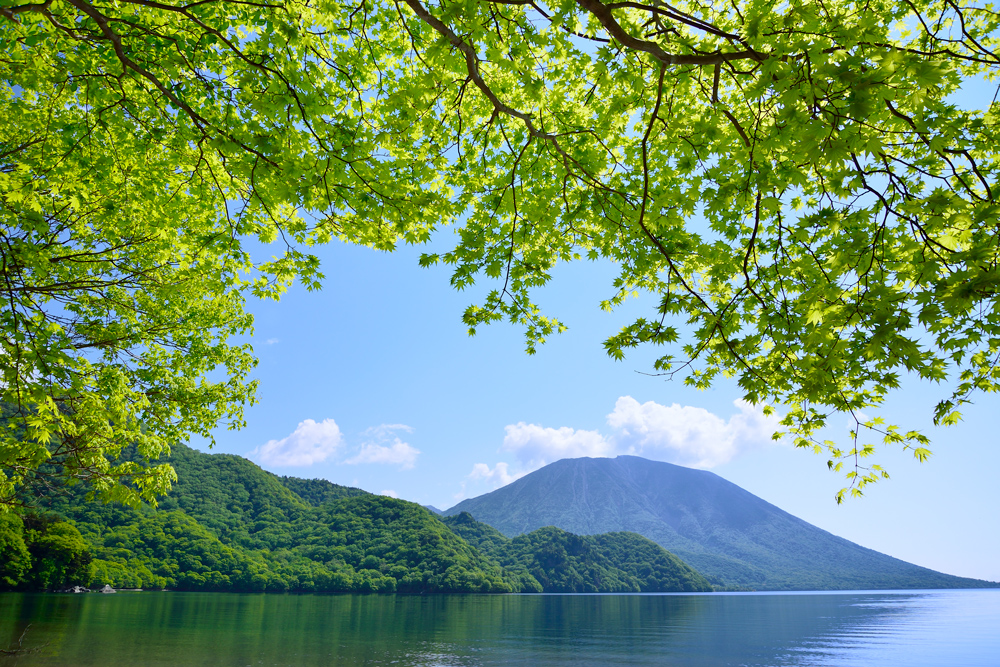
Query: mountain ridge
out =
(567, 563)
(728, 534)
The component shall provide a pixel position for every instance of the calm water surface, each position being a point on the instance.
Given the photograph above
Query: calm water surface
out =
(908, 628)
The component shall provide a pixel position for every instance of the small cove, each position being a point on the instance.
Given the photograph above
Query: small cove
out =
(836, 629)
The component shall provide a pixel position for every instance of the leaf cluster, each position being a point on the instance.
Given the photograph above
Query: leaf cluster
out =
(147, 150)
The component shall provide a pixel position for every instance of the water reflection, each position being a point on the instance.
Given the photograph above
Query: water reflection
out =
(218, 630)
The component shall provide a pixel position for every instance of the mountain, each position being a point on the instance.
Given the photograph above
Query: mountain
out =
(728, 534)
(566, 563)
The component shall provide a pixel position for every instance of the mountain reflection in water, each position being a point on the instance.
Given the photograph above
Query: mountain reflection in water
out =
(910, 628)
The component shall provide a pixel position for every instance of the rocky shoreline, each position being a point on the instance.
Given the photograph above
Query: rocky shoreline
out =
(81, 589)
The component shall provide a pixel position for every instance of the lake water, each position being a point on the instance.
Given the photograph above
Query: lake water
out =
(905, 628)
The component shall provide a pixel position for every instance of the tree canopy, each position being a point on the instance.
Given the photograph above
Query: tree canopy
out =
(141, 147)
(798, 183)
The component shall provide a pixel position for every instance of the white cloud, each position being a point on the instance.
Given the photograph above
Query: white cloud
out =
(390, 493)
(272, 341)
(398, 452)
(310, 442)
(383, 446)
(483, 476)
(687, 435)
(499, 475)
(536, 445)
(679, 434)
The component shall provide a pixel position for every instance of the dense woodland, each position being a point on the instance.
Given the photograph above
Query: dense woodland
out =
(228, 525)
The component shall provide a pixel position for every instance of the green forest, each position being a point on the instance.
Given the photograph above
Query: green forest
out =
(563, 562)
(228, 525)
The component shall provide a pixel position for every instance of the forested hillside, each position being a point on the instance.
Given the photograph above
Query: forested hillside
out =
(228, 525)
(566, 563)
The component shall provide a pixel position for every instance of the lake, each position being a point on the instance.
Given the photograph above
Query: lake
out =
(911, 628)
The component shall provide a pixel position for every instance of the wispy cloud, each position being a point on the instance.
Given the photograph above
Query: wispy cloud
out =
(272, 341)
(311, 442)
(315, 442)
(390, 493)
(385, 430)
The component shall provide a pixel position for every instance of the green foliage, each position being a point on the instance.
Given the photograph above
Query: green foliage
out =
(489, 541)
(318, 491)
(365, 540)
(566, 563)
(141, 146)
(42, 552)
(236, 500)
(168, 549)
(15, 560)
(403, 540)
(483, 536)
(59, 555)
(655, 568)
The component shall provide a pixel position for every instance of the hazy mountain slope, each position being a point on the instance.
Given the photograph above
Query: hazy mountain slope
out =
(721, 530)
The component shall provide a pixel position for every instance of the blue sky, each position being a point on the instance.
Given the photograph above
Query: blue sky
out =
(374, 382)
